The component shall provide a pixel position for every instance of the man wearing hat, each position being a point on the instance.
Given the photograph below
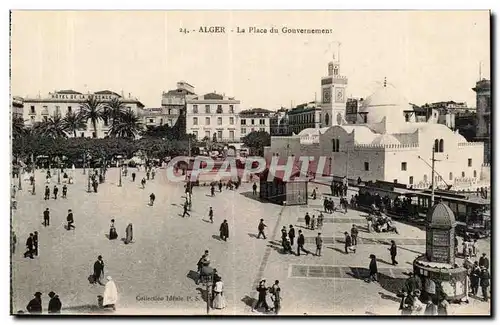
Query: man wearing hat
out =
(98, 270)
(348, 243)
(483, 261)
(54, 303)
(260, 228)
(35, 304)
(262, 290)
(319, 244)
(373, 269)
(485, 281)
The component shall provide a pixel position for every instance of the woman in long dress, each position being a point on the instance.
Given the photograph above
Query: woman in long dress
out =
(110, 296)
(112, 230)
(219, 300)
(129, 234)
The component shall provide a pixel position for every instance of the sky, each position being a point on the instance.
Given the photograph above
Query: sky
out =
(427, 55)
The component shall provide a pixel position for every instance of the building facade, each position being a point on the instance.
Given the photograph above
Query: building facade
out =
(483, 114)
(38, 109)
(333, 95)
(255, 119)
(304, 116)
(279, 122)
(17, 108)
(173, 103)
(388, 145)
(213, 115)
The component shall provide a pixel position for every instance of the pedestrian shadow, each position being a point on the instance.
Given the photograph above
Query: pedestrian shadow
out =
(389, 297)
(340, 241)
(251, 235)
(203, 293)
(393, 285)
(249, 301)
(362, 228)
(337, 249)
(303, 227)
(205, 220)
(216, 237)
(277, 247)
(251, 196)
(174, 204)
(383, 261)
(89, 308)
(106, 235)
(193, 275)
(359, 273)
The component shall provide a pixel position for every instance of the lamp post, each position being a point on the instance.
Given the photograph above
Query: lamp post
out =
(84, 155)
(207, 280)
(58, 176)
(20, 186)
(88, 184)
(120, 183)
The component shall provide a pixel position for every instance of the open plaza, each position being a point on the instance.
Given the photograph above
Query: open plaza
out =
(156, 273)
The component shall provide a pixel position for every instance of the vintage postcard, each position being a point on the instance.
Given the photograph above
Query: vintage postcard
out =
(250, 163)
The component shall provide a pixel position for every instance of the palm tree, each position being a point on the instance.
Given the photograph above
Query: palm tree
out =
(128, 126)
(73, 122)
(92, 109)
(115, 109)
(53, 127)
(18, 129)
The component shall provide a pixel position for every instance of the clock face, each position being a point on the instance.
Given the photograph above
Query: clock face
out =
(326, 95)
(339, 95)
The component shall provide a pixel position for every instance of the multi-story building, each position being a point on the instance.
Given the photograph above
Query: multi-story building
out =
(17, 107)
(279, 122)
(255, 119)
(173, 103)
(157, 116)
(61, 102)
(483, 111)
(304, 116)
(213, 115)
(351, 109)
(333, 95)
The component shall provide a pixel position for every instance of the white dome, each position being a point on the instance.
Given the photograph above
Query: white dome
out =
(385, 102)
(385, 139)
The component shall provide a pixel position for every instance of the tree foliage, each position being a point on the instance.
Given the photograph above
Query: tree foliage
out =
(256, 141)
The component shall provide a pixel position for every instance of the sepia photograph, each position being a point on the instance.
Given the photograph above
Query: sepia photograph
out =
(250, 163)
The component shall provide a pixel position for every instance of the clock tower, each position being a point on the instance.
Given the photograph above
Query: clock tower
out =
(333, 95)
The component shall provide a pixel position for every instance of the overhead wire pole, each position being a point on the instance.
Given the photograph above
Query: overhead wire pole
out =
(432, 175)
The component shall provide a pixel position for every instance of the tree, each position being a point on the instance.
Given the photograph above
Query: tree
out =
(18, 129)
(52, 127)
(73, 122)
(256, 141)
(128, 126)
(92, 109)
(114, 109)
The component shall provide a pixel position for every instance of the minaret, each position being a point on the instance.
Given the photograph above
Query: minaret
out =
(333, 88)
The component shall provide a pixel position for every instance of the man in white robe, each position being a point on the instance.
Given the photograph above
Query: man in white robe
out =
(110, 294)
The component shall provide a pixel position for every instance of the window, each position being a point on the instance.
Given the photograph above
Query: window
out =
(469, 162)
(195, 121)
(231, 109)
(94, 135)
(169, 111)
(336, 145)
(367, 166)
(475, 174)
(45, 118)
(195, 133)
(425, 178)
(219, 121)
(69, 109)
(151, 120)
(32, 119)
(436, 145)
(207, 134)
(243, 121)
(441, 145)
(207, 109)
(58, 110)
(396, 181)
(32, 110)
(253, 122)
(170, 122)
(231, 135)
(365, 120)
(262, 121)
(82, 134)
(450, 176)
(161, 121)
(411, 180)
(231, 120)
(407, 117)
(262, 129)
(463, 174)
(403, 166)
(219, 109)
(195, 109)
(219, 135)
(243, 131)
(207, 120)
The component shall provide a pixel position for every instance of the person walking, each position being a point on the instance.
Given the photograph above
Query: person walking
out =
(262, 290)
(46, 217)
(284, 235)
(185, 210)
(70, 220)
(220, 186)
(254, 188)
(153, 173)
(212, 190)
(260, 228)
(211, 215)
(55, 191)
(485, 282)
(474, 248)
(129, 234)
(112, 230)
(98, 270)
(406, 304)
(291, 234)
(354, 235)
(143, 183)
(300, 244)
(110, 294)
(29, 247)
(475, 276)
(224, 230)
(54, 303)
(64, 191)
(275, 292)
(373, 269)
(319, 244)
(219, 301)
(152, 198)
(394, 251)
(320, 220)
(133, 177)
(307, 219)
(348, 243)
(430, 308)
(147, 174)
(47, 193)
(35, 304)
(313, 222)
(35, 243)
(484, 262)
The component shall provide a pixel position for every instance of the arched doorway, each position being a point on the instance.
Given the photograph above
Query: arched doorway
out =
(327, 119)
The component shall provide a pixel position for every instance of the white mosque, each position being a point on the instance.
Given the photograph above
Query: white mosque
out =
(386, 143)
